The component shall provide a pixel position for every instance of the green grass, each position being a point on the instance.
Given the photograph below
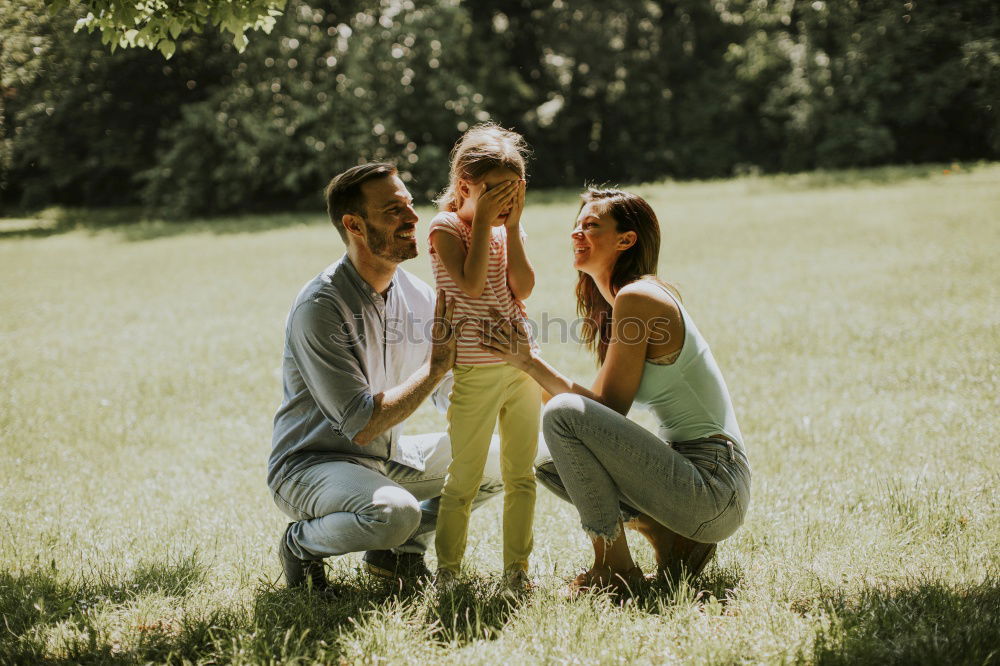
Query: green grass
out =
(854, 315)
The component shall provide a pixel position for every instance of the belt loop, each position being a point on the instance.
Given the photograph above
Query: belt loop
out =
(732, 454)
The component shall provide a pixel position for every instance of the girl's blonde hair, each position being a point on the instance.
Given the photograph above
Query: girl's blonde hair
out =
(482, 149)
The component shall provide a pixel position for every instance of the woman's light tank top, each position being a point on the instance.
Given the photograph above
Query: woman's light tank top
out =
(689, 397)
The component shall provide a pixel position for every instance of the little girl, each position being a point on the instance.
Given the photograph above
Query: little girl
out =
(477, 252)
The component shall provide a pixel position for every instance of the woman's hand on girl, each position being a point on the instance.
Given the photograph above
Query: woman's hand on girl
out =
(507, 340)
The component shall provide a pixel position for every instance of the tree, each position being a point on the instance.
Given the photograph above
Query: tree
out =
(603, 90)
(331, 86)
(22, 25)
(156, 24)
(77, 123)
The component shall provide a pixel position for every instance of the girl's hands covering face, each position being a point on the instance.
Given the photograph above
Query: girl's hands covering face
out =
(495, 201)
(514, 219)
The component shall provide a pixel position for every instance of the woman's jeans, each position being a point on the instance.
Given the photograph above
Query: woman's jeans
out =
(613, 469)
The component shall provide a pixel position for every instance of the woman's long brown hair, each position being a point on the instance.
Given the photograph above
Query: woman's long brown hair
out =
(630, 213)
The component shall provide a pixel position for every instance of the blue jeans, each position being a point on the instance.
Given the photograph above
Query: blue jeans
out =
(613, 469)
(342, 507)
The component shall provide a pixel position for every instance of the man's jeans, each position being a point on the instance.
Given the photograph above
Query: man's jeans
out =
(613, 469)
(342, 507)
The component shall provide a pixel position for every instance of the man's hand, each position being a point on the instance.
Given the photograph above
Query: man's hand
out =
(444, 340)
(396, 404)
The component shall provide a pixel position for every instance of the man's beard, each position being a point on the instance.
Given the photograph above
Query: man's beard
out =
(388, 247)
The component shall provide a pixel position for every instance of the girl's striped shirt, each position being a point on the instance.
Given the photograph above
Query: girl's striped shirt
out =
(472, 313)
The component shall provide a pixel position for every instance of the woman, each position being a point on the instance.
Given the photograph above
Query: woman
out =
(685, 489)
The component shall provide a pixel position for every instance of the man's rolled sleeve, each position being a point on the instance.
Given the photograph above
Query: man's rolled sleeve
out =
(323, 349)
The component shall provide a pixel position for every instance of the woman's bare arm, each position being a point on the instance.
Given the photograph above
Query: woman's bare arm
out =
(617, 382)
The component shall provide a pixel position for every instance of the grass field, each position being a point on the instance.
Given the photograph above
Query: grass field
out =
(855, 316)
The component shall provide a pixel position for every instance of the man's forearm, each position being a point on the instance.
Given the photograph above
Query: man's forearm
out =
(396, 404)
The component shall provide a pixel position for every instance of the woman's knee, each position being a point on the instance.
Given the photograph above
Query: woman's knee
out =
(560, 413)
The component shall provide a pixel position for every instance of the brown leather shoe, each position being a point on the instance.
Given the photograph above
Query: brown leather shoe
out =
(387, 565)
(305, 574)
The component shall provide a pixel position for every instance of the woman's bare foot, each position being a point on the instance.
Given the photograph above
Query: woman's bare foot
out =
(613, 567)
(606, 578)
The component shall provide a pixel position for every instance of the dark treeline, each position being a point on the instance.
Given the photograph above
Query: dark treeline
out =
(620, 91)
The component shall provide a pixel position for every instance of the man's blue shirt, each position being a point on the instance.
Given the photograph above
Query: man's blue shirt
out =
(345, 343)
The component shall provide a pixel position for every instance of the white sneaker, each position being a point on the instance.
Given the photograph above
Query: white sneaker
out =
(445, 581)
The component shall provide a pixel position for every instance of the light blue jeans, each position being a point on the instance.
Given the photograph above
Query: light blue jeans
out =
(613, 469)
(342, 507)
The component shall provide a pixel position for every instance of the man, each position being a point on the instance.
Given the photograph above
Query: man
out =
(365, 345)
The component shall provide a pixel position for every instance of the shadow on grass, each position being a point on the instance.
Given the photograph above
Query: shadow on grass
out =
(759, 182)
(659, 595)
(928, 622)
(57, 220)
(478, 610)
(133, 225)
(244, 224)
(312, 625)
(863, 177)
(922, 622)
(51, 619)
(858, 178)
(282, 611)
(37, 601)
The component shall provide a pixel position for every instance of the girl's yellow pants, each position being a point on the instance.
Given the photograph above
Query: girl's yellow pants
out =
(482, 394)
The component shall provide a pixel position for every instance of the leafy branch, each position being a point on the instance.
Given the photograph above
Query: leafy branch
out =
(156, 24)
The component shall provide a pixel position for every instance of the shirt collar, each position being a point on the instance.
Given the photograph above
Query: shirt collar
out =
(359, 282)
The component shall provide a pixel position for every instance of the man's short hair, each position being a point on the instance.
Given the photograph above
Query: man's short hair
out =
(343, 193)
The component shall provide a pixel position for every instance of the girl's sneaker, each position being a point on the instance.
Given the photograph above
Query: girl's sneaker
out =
(445, 581)
(518, 582)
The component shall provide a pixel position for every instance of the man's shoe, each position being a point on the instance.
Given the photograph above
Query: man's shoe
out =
(308, 574)
(396, 566)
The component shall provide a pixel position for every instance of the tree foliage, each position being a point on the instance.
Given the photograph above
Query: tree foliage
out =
(622, 91)
(156, 24)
